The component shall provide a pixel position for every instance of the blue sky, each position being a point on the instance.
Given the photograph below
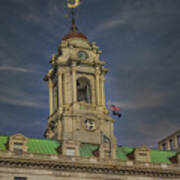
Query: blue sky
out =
(140, 41)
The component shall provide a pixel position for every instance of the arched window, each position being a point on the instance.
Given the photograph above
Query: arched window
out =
(83, 90)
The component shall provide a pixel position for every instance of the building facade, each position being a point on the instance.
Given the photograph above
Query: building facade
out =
(80, 142)
(171, 142)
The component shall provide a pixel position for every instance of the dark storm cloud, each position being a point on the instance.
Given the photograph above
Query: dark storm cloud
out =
(140, 41)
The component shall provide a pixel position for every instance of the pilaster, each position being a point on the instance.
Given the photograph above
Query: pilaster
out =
(97, 85)
(55, 98)
(59, 128)
(50, 85)
(60, 91)
(74, 88)
(168, 145)
(102, 90)
(175, 142)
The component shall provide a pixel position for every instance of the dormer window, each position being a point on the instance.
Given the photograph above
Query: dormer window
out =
(142, 154)
(18, 147)
(70, 152)
(142, 157)
(69, 148)
(18, 144)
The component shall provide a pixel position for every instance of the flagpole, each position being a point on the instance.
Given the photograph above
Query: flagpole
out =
(109, 106)
(73, 18)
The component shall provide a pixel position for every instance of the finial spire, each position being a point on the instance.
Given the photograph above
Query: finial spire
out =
(73, 4)
(73, 27)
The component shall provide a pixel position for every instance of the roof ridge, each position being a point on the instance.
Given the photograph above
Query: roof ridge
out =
(43, 139)
(168, 151)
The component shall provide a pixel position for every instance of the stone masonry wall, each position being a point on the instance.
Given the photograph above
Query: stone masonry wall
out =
(39, 174)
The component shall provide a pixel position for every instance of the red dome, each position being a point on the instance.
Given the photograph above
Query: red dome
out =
(75, 35)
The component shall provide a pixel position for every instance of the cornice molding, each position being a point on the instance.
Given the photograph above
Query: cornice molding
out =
(89, 168)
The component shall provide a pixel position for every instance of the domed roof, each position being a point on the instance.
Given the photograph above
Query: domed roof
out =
(75, 35)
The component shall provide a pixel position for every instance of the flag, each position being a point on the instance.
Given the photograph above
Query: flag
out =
(117, 114)
(115, 108)
(73, 3)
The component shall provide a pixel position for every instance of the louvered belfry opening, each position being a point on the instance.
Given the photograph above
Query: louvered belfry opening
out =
(83, 90)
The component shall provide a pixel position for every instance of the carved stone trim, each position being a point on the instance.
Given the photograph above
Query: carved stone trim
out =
(90, 168)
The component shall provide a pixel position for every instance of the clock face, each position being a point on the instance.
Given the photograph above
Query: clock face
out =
(89, 124)
(82, 55)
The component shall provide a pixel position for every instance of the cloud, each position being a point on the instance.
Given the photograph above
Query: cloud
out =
(110, 24)
(152, 131)
(148, 99)
(15, 69)
(139, 17)
(21, 98)
(48, 21)
(123, 17)
(158, 133)
(133, 93)
(19, 102)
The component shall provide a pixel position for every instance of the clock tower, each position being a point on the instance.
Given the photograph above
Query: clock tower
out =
(77, 110)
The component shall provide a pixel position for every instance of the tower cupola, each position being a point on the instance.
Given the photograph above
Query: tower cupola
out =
(78, 114)
(75, 35)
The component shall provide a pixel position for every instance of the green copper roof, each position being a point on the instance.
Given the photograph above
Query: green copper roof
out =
(157, 156)
(86, 150)
(122, 152)
(3, 142)
(42, 146)
(45, 146)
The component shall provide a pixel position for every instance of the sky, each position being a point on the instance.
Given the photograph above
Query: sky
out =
(140, 42)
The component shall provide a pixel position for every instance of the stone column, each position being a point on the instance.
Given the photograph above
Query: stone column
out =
(59, 127)
(50, 84)
(74, 88)
(97, 86)
(55, 98)
(168, 145)
(102, 89)
(60, 91)
(160, 147)
(178, 140)
(175, 142)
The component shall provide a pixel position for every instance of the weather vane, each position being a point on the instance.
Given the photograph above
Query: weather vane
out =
(73, 4)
